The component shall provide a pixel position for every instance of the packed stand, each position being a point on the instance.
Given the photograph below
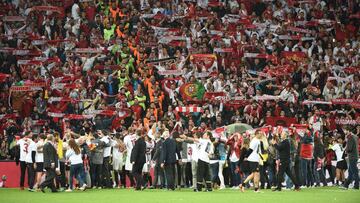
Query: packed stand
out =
(142, 93)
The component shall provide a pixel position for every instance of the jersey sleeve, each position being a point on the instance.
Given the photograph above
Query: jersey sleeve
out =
(253, 145)
(32, 147)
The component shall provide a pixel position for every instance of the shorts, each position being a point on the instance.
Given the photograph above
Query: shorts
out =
(341, 165)
(117, 164)
(253, 166)
(39, 167)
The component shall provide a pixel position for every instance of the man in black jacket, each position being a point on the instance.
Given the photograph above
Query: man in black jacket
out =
(50, 164)
(284, 154)
(352, 149)
(168, 159)
(319, 157)
(138, 159)
(158, 171)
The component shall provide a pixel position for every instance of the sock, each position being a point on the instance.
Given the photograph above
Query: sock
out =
(199, 186)
(208, 185)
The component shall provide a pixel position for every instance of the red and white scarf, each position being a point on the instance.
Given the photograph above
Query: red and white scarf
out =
(13, 19)
(308, 102)
(24, 88)
(171, 72)
(188, 109)
(266, 97)
(87, 51)
(347, 122)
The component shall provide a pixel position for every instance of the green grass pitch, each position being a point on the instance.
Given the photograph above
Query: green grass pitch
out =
(316, 195)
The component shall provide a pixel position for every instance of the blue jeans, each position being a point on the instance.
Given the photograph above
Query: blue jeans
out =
(353, 173)
(306, 172)
(77, 171)
(272, 174)
(319, 175)
(235, 176)
(288, 181)
(214, 171)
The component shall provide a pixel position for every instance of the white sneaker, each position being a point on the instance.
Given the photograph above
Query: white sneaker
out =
(234, 188)
(83, 188)
(222, 187)
(68, 190)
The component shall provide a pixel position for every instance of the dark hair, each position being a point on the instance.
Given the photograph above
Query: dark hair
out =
(42, 136)
(82, 132)
(74, 146)
(208, 133)
(175, 134)
(34, 136)
(198, 134)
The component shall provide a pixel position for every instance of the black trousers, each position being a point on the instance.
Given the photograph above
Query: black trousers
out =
(130, 176)
(227, 175)
(297, 169)
(159, 174)
(31, 174)
(61, 179)
(147, 179)
(122, 177)
(49, 179)
(96, 175)
(22, 173)
(285, 168)
(188, 174)
(203, 174)
(137, 173)
(179, 173)
(331, 171)
(106, 173)
(264, 177)
(170, 175)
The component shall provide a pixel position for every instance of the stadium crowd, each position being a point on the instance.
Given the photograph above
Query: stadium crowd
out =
(142, 93)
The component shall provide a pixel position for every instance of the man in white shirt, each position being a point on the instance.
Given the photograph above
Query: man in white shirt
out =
(129, 141)
(254, 158)
(106, 161)
(193, 153)
(23, 151)
(39, 159)
(30, 161)
(316, 121)
(206, 149)
(75, 10)
(118, 160)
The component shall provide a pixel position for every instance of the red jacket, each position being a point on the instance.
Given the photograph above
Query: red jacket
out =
(235, 146)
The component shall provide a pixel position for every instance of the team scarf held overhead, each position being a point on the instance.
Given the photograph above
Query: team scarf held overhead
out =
(189, 109)
(205, 63)
(55, 9)
(350, 102)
